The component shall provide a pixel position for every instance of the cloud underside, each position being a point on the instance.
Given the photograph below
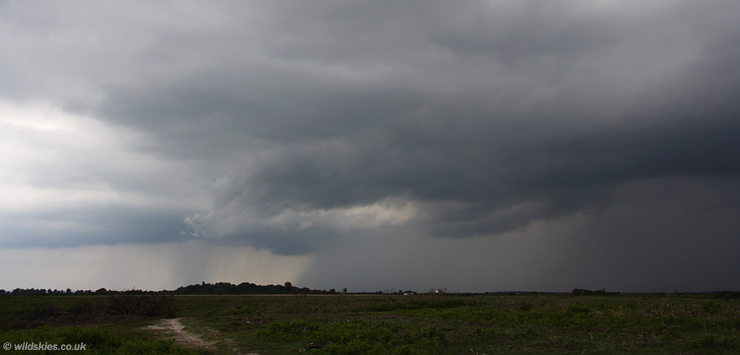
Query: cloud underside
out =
(482, 150)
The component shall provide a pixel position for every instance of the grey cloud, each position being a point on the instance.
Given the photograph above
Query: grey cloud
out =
(515, 33)
(90, 226)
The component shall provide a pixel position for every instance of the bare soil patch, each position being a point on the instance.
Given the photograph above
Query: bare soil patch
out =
(173, 327)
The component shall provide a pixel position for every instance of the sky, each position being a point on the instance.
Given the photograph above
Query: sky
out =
(476, 146)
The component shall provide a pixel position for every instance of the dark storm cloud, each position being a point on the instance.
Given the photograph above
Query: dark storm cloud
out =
(528, 112)
(316, 121)
(487, 165)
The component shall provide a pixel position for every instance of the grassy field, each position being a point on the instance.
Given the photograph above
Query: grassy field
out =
(378, 324)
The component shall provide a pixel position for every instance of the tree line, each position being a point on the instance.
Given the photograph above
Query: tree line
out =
(219, 288)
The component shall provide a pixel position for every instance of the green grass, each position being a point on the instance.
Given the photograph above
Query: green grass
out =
(390, 324)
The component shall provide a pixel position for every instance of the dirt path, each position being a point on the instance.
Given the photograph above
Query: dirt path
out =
(174, 328)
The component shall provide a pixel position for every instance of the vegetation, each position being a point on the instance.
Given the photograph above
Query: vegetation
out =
(384, 324)
(95, 340)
